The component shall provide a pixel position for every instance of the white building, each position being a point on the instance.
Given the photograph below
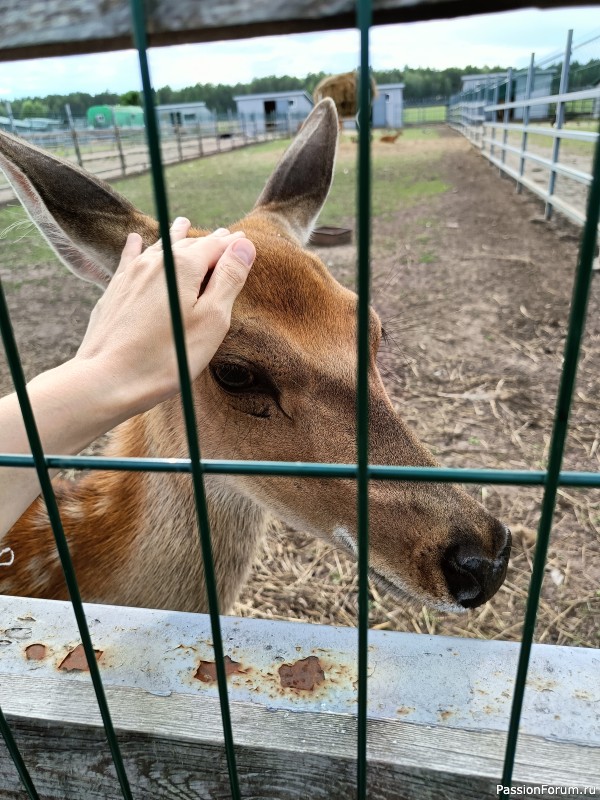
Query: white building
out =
(182, 115)
(542, 86)
(388, 106)
(261, 112)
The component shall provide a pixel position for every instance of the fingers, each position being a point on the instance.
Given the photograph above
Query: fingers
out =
(179, 229)
(230, 272)
(133, 248)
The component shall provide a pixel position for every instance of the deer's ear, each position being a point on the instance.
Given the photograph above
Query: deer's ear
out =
(84, 220)
(300, 183)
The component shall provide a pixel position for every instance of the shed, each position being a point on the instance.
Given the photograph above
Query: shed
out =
(184, 114)
(121, 116)
(388, 105)
(542, 86)
(471, 83)
(261, 112)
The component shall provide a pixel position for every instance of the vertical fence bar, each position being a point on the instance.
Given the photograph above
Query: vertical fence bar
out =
(581, 289)
(17, 758)
(362, 386)
(507, 99)
(139, 28)
(495, 98)
(528, 88)
(560, 118)
(47, 490)
(74, 134)
(200, 147)
(119, 146)
(9, 114)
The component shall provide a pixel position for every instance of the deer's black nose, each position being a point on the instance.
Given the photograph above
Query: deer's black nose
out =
(471, 576)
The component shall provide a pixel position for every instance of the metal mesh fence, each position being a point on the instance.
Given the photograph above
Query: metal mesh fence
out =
(362, 471)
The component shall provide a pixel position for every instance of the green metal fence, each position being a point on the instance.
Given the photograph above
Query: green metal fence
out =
(362, 471)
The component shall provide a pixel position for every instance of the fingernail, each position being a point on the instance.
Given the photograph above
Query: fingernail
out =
(181, 221)
(221, 232)
(244, 250)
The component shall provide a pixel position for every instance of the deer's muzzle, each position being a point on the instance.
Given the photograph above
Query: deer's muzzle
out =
(472, 578)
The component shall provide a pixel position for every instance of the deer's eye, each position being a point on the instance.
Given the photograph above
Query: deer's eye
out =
(234, 377)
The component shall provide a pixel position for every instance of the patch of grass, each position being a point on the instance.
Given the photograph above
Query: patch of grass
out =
(212, 191)
(427, 258)
(421, 114)
(220, 189)
(21, 245)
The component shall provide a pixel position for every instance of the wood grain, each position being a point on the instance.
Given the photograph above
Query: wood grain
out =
(172, 749)
(67, 27)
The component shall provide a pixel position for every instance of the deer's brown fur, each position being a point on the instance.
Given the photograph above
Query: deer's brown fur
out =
(133, 535)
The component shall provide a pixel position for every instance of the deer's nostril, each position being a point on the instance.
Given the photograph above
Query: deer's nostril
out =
(472, 578)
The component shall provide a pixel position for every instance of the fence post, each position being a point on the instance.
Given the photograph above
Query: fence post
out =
(528, 87)
(560, 118)
(177, 127)
(507, 99)
(119, 146)
(74, 134)
(217, 140)
(200, 147)
(495, 99)
(9, 114)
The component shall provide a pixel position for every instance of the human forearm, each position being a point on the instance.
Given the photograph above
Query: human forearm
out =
(73, 405)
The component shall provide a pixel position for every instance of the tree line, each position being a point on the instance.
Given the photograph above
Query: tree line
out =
(421, 84)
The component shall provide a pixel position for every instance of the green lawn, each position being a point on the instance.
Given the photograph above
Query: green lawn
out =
(220, 189)
(421, 114)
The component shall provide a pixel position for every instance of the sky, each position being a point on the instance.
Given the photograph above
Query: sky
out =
(506, 39)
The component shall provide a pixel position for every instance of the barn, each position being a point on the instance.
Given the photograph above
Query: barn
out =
(262, 112)
(542, 86)
(388, 105)
(184, 115)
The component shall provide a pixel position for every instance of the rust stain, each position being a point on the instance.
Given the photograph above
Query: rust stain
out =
(305, 674)
(207, 670)
(75, 660)
(35, 652)
(445, 713)
(404, 710)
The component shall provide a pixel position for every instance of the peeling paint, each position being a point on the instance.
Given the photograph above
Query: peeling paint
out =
(75, 660)
(18, 633)
(305, 674)
(207, 670)
(35, 652)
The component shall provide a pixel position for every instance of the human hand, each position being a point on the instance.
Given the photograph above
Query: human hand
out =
(129, 338)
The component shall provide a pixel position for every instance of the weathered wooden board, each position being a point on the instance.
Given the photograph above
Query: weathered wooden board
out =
(438, 709)
(65, 27)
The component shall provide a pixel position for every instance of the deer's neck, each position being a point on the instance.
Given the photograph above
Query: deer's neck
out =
(134, 536)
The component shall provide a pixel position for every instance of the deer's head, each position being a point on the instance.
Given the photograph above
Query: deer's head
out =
(282, 385)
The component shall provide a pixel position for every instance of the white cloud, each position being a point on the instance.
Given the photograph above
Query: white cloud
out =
(506, 38)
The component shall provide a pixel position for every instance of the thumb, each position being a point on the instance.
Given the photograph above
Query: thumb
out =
(230, 272)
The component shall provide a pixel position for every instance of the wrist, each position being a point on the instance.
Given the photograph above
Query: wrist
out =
(78, 402)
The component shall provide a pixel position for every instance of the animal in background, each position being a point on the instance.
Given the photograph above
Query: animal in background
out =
(389, 138)
(343, 90)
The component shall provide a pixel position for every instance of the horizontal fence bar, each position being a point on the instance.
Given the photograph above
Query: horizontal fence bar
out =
(566, 208)
(567, 97)
(556, 133)
(309, 469)
(560, 169)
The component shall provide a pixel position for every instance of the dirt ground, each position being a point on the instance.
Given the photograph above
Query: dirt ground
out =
(474, 292)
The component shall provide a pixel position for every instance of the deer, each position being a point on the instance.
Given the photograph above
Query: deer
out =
(391, 138)
(281, 387)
